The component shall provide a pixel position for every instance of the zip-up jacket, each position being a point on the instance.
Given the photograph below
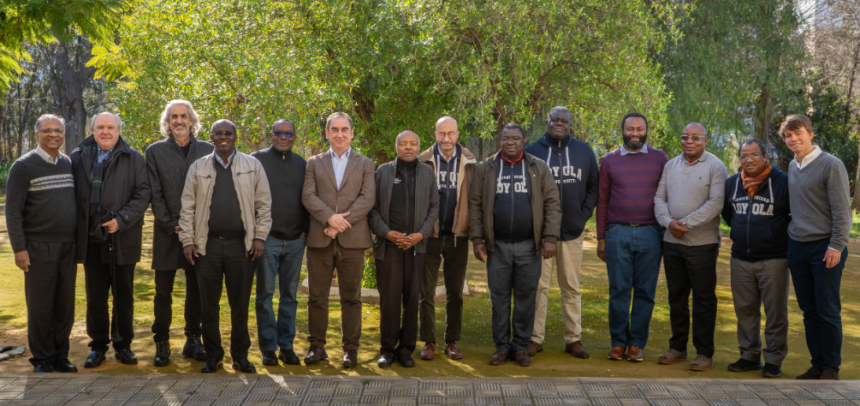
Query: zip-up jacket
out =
(759, 225)
(465, 172)
(574, 168)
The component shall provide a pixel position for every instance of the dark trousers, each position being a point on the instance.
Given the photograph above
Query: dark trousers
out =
(49, 288)
(817, 291)
(455, 251)
(350, 268)
(513, 267)
(399, 278)
(103, 325)
(163, 303)
(225, 263)
(692, 268)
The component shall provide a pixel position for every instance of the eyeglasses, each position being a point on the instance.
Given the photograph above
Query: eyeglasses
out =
(283, 134)
(443, 135)
(51, 130)
(506, 140)
(754, 156)
(696, 138)
(220, 134)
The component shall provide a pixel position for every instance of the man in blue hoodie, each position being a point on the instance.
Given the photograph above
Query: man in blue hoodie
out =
(574, 168)
(758, 211)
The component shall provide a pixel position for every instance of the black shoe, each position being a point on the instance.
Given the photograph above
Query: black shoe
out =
(744, 365)
(44, 367)
(771, 371)
(194, 348)
(289, 357)
(212, 365)
(405, 360)
(64, 365)
(95, 359)
(385, 360)
(269, 358)
(162, 353)
(244, 366)
(126, 356)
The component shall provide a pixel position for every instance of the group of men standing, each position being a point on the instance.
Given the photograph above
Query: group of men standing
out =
(224, 217)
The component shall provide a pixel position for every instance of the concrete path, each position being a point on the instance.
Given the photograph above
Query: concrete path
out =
(278, 390)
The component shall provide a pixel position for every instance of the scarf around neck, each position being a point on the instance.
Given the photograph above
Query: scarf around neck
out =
(752, 184)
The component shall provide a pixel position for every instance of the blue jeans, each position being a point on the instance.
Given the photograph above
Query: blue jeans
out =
(817, 291)
(632, 262)
(282, 259)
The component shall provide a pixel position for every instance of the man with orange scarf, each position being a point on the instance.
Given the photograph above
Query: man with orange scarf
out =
(757, 209)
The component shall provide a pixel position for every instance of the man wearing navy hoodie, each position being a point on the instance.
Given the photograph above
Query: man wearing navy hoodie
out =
(574, 168)
(758, 211)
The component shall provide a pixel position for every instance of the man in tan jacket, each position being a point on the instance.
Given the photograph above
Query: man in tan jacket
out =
(454, 166)
(225, 220)
(339, 192)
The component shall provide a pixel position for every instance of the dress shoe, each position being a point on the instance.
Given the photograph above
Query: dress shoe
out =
(95, 359)
(315, 354)
(811, 373)
(245, 366)
(534, 348)
(126, 356)
(829, 374)
(452, 351)
(288, 357)
(634, 354)
(499, 357)
(194, 348)
(269, 358)
(350, 359)
(701, 363)
(673, 356)
(64, 365)
(771, 371)
(521, 358)
(405, 360)
(385, 360)
(212, 365)
(162, 353)
(429, 352)
(744, 365)
(43, 367)
(576, 349)
(616, 353)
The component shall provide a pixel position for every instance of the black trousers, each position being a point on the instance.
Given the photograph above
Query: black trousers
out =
(399, 278)
(455, 251)
(225, 263)
(49, 288)
(163, 303)
(692, 268)
(103, 325)
(513, 270)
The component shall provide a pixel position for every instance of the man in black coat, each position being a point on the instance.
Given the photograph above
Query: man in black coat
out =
(167, 163)
(112, 191)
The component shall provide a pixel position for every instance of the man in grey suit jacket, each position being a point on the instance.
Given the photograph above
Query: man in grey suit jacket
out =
(339, 192)
(401, 231)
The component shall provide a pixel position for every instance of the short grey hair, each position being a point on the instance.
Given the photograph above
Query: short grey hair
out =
(46, 117)
(336, 115)
(115, 116)
(165, 117)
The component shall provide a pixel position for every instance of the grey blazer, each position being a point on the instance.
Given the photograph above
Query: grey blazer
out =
(426, 206)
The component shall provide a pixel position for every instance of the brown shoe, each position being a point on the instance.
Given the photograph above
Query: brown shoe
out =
(315, 354)
(829, 374)
(672, 356)
(701, 363)
(522, 358)
(811, 373)
(634, 354)
(452, 351)
(499, 357)
(616, 353)
(576, 349)
(350, 359)
(534, 348)
(429, 352)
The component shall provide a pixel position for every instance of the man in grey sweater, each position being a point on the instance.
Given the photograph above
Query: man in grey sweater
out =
(688, 203)
(817, 245)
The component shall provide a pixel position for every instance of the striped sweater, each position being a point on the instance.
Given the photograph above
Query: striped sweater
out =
(627, 187)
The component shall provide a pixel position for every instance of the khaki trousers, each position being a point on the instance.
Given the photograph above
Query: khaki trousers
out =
(568, 264)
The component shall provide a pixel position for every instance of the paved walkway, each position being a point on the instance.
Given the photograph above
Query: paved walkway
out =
(277, 390)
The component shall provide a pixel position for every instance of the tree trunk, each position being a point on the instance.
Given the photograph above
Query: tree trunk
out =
(763, 115)
(73, 74)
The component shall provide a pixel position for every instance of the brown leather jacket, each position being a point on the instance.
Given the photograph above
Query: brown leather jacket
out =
(464, 180)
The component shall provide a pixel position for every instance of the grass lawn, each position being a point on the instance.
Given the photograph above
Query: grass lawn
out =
(477, 344)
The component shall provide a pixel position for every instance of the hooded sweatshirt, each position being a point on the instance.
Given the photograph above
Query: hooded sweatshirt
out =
(759, 225)
(574, 168)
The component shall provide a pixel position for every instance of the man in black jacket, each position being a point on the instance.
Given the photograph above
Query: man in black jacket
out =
(285, 246)
(167, 162)
(112, 191)
(758, 211)
(400, 233)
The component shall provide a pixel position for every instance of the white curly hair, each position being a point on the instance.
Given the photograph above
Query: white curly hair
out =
(165, 117)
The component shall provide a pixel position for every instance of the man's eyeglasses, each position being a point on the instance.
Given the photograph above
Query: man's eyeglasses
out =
(280, 134)
(696, 138)
(51, 130)
(756, 156)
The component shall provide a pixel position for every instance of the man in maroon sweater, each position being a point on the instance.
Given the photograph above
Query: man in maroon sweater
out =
(629, 237)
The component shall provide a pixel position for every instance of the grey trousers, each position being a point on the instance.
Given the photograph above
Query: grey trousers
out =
(513, 269)
(753, 284)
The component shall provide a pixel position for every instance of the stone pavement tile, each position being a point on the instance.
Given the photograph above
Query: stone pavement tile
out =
(771, 395)
(434, 385)
(548, 401)
(291, 391)
(286, 403)
(605, 402)
(377, 385)
(780, 402)
(568, 394)
(460, 401)
(634, 402)
(345, 400)
(287, 399)
(663, 402)
(741, 394)
(32, 394)
(431, 392)
(21, 402)
(374, 399)
(808, 402)
(515, 393)
(576, 402)
(709, 396)
(317, 398)
(686, 402)
(828, 395)
(487, 386)
(404, 392)
(629, 394)
(839, 402)
(518, 401)
(412, 400)
(752, 402)
(489, 400)
(432, 400)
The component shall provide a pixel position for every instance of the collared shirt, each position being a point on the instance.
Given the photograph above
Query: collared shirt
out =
(453, 154)
(229, 159)
(46, 156)
(625, 151)
(339, 164)
(809, 158)
(104, 154)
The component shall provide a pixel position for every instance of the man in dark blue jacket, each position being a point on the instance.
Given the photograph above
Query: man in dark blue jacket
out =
(758, 211)
(574, 168)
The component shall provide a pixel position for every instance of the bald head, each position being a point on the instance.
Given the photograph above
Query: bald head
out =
(698, 126)
(447, 135)
(407, 144)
